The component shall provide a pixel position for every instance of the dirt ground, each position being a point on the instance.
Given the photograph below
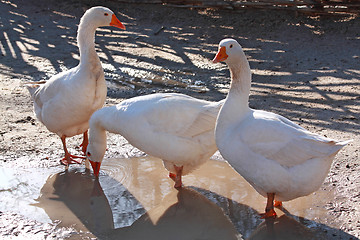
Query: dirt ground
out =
(304, 68)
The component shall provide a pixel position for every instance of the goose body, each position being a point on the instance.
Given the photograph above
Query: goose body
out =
(280, 159)
(66, 101)
(177, 128)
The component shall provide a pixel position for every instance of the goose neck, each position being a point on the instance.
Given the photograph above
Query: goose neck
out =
(240, 82)
(86, 41)
(97, 131)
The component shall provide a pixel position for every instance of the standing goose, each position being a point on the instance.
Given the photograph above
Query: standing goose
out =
(280, 159)
(177, 128)
(66, 101)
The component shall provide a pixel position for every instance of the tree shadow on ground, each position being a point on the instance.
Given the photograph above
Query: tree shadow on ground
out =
(304, 67)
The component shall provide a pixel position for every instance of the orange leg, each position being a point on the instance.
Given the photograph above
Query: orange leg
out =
(278, 204)
(178, 182)
(177, 176)
(85, 142)
(68, 159)
(172, 176)
(269, 210)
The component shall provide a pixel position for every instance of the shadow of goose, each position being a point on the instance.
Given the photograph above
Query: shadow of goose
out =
(143, 205)
(287, 226)
(283, 228)
(75, 199)
(185, 214)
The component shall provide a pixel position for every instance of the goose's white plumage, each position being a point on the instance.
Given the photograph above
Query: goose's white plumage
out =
(276, 156)
(177, 128)
(66, 101)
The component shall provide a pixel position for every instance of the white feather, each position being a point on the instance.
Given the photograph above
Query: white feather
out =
(174, 127)
(271, 152)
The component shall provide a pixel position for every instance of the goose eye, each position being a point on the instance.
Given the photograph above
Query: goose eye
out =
(88, 153)
(106, 14)
(231, 46)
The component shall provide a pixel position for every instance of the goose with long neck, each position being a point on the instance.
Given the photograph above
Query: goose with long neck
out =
(66, 101)
(280, 159)
(176, 128)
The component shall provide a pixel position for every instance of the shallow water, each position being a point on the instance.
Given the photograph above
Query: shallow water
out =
(134, 199)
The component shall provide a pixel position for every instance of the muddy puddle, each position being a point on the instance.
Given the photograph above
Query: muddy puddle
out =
(134, 199)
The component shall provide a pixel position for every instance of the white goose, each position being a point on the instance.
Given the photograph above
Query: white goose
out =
(66, 101)
(177, 128)
(280, 159)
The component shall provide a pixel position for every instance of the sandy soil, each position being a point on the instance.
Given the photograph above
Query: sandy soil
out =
(305, 68)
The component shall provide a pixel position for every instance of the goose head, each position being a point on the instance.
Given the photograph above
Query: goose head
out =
(95, 152)
(101, 17)
(229, 52)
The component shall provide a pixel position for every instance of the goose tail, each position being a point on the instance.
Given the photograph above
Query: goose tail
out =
(343, 143)
(32, 87)
(339, 145)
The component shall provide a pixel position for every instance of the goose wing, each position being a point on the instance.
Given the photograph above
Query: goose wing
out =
(278, 139)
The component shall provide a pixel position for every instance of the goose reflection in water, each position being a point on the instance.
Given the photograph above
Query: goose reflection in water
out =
(76, 199)
(184, 214)
(284, 228)
(114, 209)
(248, 223)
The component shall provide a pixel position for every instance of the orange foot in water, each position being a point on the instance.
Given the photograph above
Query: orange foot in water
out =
(269, 214)
(278, 204)
(172, 176)
(269, 210)
(177, 176)
(69, 159)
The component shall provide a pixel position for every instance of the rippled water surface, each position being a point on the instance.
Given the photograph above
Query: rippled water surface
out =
(134, 199)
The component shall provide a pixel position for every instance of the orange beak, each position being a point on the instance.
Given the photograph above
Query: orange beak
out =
(116, 22)
(221, 55)
(96, 167)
